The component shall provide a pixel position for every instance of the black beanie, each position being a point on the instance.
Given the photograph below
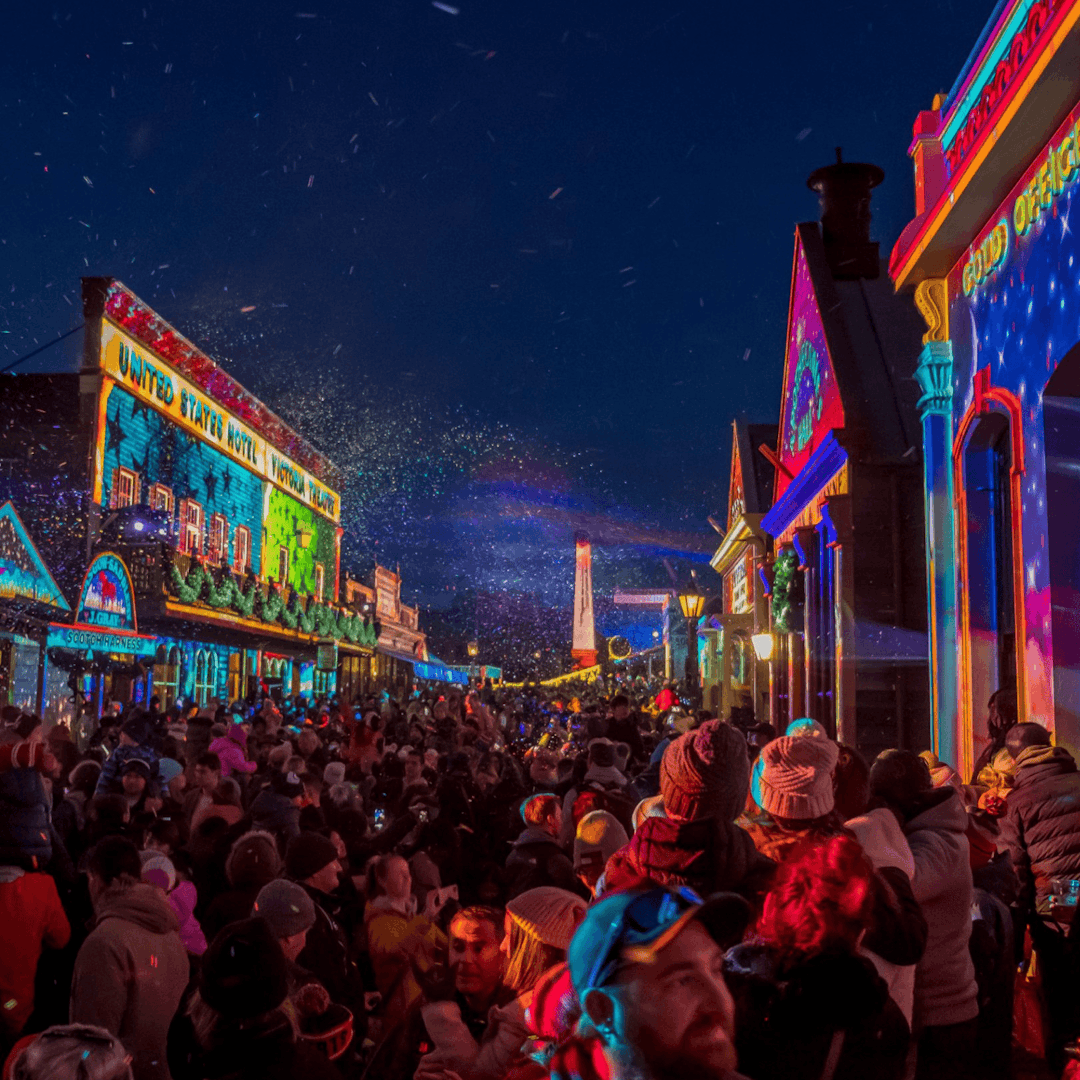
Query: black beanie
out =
(243, 971)
(307, 854)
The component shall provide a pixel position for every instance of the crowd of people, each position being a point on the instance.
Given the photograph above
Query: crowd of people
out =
(514, 884)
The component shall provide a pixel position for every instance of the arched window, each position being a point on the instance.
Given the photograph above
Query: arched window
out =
(167, 674)
(205, 675)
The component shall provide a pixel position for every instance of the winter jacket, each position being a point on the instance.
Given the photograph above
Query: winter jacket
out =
(401, 948)
(456, 1050)
(25, 827)
(109, 780)
(230, 749)
(708, 855)
(268, 1053)
(277, 814)
(229, 906)
(182, 900)
(786, 1019)
(945, 990)
(1041, 827)
(327, 955)
(131, 973)
(536, 859)
(30, 916)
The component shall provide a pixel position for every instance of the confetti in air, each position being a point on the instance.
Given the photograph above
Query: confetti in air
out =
(448, 8)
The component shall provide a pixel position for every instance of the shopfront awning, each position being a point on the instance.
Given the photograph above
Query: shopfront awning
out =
(746, 529)
(428, 671)
(84, 638)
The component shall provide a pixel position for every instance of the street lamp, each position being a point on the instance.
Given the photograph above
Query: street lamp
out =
(692, 604)
(474, 649)
(763, 644)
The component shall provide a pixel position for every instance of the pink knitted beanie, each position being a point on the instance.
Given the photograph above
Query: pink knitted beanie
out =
(797, 777)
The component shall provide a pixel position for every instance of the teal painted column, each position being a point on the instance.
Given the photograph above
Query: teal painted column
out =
(934, 375)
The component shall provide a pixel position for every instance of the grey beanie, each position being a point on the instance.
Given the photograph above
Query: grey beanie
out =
(285, 906)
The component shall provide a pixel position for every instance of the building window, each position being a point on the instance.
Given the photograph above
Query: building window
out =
(241, 549)
(283, 566)
(191, 527)
(219, 539)
(161, 498)
(205, 675)
(125, 491)
(320, 581)
(167, 675)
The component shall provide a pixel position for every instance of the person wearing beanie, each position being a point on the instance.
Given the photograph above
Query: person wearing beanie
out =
(602, 779)
(253, 861)
(704, 780)
(158, 869)
(313, 862)
(241, 1011)
(289, 912)
(276, 809)
(231, 749)
(539, 925)
(334, 773)
(599, 835)
(134, 743)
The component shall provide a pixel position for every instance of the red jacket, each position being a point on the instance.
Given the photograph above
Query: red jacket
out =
(30, 916)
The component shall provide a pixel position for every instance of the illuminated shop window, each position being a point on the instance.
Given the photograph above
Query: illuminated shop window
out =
(191, 527)
(161, 498)
(125, 491)
(241, 549)
(167, 675)
(219, 539)
(283, 566)
(320, 580)
(205, 675)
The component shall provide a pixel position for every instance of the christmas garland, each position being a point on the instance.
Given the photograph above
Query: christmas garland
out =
(784, 570)
(310, 617)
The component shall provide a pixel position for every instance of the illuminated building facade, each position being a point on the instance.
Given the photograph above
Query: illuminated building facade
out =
(215, 525)
(848, 601)
(994, 264)
(731, 674)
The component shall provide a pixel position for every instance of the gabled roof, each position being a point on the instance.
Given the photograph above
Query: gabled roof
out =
(24, 577)
(850, 356)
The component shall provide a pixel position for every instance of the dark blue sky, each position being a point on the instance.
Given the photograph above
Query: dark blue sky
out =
(525, 258)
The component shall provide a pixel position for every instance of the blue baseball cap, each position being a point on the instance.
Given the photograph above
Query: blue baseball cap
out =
(633, 926)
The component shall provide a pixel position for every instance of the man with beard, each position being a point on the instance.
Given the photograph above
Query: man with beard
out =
(647, 967)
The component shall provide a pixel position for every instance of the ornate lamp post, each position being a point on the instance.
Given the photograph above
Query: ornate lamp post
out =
(692, 604)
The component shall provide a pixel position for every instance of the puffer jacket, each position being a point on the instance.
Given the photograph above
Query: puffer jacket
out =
(1041, 827)
(945, 989)
(25, 828)
(230, 749)
(109, 780)
(786, 1018)
(709, 856)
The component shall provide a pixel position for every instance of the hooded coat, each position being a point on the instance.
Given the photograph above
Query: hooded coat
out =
(945, 989)
(131, 973)
(710, 855)
(1041, 827)
(230, 749)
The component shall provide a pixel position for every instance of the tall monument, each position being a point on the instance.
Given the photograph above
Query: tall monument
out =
(584, 643)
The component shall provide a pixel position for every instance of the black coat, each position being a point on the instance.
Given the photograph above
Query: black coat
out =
(536, 859)
(1041, 827)
(786, 1019)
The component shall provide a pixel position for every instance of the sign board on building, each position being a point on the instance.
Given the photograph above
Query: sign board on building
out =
(89, 639)
(106, 599)
(326, 654)
(23, 573)
(128, 363)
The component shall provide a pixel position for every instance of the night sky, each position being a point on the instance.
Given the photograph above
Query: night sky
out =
(514, 266)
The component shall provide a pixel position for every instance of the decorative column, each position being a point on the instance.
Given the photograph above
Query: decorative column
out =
(934, 375)
(836, 515)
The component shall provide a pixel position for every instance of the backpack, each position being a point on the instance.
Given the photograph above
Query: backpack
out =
(594, 796)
